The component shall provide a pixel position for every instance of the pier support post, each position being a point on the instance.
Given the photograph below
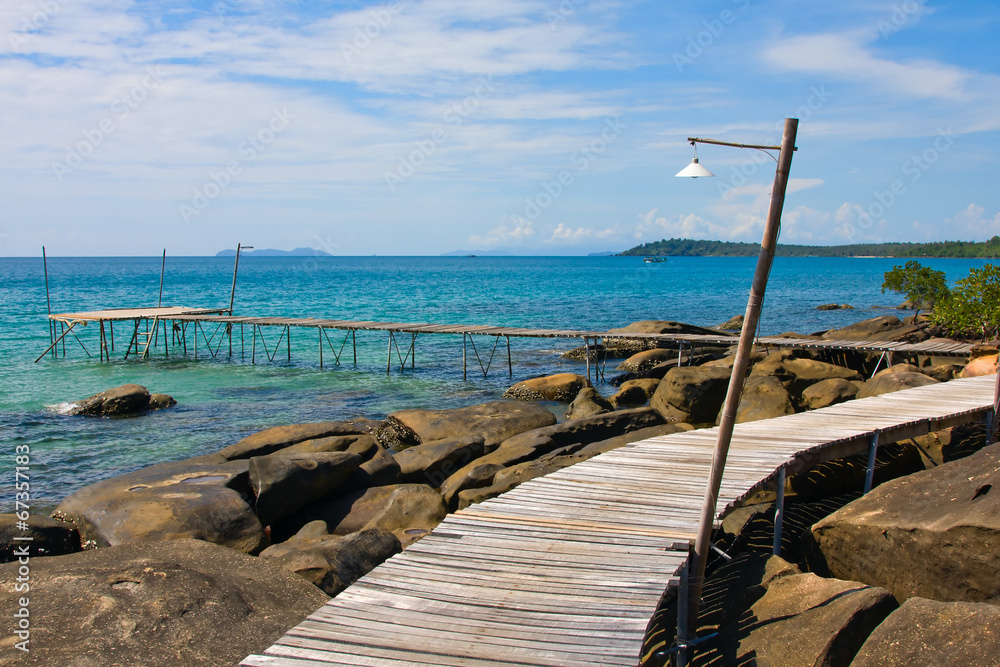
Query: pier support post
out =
(779, 512)
(872, 452)
(510, 365)
(288, 341)
(354, 344)
(321, 348)
(465, 358)
(586, 347)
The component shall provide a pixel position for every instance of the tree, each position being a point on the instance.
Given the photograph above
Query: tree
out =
(922, 285)
(973, 309)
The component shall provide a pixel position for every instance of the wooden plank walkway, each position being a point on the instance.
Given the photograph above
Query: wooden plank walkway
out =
(568, 569)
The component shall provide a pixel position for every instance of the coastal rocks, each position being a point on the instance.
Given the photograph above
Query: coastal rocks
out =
(944, 372)
(285, 483)
(884, 328)
(126, 400)
(932, 534)
(562, 387)
(803, 619)
(273, 439)
(797, 374)
(663, 327)
(889, 380)
(982, 365)
(927, 632)
(332, 562)
(169, 501)
(158, 604)
(691, 394)
(634, 392)
(835, 306)
(433, 462)
(647, 359)
(494, 422)
(48, 537)
(763, 398)
(587, 404)
(732, 324)
(478, 474)
(828, 392)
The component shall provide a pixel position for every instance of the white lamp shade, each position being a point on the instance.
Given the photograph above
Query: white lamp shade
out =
(693, 170)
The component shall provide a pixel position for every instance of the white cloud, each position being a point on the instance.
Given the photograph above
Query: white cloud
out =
(520, 231)
(564, 234)
(972, 224)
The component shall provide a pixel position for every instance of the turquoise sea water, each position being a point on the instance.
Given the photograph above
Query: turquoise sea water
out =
(221, 400)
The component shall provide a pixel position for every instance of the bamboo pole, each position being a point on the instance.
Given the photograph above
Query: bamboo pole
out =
(48, 302)
(163, 266)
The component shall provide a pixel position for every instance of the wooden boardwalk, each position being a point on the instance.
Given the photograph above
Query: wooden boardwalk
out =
(568, 569)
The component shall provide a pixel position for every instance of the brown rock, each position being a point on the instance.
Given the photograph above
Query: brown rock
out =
(360, 444)
(664, 327)
(828, 392)
(647, 359)
(984, 365)
(634, 392)
(927, 632)
(562, 387)
(587, 404)
(157, 604)
(49, 537)
(886, 327)
(272, 439)
(932, 534)
(691, 394)
(944, 372)
(285, 483)
(161, 401)
(478, 474)
(763, 398)
(797, 374)
(494, 422)
(433, 462)
(887, 382)
(128, 399)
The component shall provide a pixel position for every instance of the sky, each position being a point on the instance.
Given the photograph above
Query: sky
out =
(531, 127)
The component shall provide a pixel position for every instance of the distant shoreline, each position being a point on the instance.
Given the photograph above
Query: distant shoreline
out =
(938, 250)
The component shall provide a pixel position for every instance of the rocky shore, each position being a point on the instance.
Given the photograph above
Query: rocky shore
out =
(205, 560)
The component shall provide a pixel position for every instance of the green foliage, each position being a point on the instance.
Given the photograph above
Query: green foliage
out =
(973, 309)
(692, 248)
(921, 285)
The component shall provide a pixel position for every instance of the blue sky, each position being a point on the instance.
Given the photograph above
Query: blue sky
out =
(525, 126)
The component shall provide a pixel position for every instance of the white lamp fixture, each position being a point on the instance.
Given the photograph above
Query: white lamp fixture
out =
(693, 170)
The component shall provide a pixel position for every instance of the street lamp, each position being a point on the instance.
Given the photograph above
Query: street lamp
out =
(703, 543)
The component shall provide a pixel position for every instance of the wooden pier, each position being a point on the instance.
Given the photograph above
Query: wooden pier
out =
(213, 329)
(569, 568)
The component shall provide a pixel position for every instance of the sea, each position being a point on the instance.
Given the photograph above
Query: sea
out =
(222, 399)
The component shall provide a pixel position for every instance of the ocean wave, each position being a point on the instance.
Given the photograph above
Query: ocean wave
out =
(63, 408)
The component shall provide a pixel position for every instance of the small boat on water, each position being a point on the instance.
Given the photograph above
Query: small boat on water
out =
(654, 260)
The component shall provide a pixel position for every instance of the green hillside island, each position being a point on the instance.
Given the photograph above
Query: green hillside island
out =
(692, 248)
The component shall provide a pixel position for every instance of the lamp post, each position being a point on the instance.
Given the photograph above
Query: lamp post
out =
(703, 543)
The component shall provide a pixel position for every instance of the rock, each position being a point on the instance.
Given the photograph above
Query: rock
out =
(364, 446)
(647, 359)
(474, 476)
(944, 372)
(408, 510)
(884, 328)
(587, 404)
(927, 632)
(984, 365)
(433, 462)
(732, 324)
(886, 382)
(333, 562)
(169, 501)
(664, 327)
(562, 387)
(835, 306)
(157, 604)
(48, 537)
(272, 439)
(933, 534)
(828, 392)
(380, 470)
(634, 392)
(763, 398)
(494, 422)
(901, 368)
(161, 401)
(797, 374)
(285, 483)
(128, 399)
(691, 394)
(803, 619)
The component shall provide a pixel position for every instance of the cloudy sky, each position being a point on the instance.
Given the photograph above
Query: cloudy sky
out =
(527, 126)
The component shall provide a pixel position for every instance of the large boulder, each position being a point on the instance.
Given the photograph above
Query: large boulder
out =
(494, 422)
(46, 537)
(363, 445)
(691, 394)
(933, 534)
(803, 619)
(275, 438)
(797, 374)
(763, 398)
(983, 365)
(634, 392)
(664, 327)
(433, 462)
(888, 381)
(158, 604)
(285, 483)
(175, 500)
(126, 400)
(561, 387)
(647, 359)
(587, 404)
(884, 328)
(333, 562)
(828, 392)
(927, 632)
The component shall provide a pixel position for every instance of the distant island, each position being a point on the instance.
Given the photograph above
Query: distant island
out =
(270, 252)
(692, 248)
